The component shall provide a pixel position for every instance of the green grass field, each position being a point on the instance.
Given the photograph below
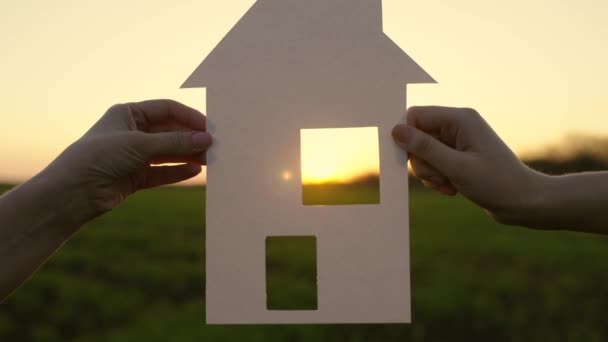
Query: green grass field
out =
(137, 274)
(340, 194)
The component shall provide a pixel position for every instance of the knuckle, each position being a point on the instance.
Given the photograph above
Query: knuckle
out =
(412, 111)
(117, 109)
(469, 113)
(171, 103)
(117, 106)
(118, 112)
(180, 141)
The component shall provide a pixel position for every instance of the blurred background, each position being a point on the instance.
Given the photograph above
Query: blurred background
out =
(535, 70)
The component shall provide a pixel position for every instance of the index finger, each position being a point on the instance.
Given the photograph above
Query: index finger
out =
(431, 118)
(155, 112)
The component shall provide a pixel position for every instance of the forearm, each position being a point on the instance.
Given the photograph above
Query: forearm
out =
(573, 202)
(36, 218)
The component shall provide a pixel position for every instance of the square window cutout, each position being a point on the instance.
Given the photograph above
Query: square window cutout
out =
(340, 166)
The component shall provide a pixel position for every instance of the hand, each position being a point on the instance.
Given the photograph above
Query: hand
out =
(115, 157)
(111, 161)
(454, 150)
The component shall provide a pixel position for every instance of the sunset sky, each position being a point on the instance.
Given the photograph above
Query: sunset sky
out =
(339, 154)
(536, 69)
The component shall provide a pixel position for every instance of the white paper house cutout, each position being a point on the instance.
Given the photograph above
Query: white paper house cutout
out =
(289, 65)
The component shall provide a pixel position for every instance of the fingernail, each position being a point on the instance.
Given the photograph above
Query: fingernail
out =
(401, 133)
(201, 140)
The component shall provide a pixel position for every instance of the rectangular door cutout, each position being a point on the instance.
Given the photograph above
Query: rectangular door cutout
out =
(340, 166)
(291, 273)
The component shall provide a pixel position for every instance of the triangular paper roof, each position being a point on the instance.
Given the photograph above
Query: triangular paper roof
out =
(289, 34)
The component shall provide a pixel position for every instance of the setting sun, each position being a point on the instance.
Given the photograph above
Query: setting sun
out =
(339, 155)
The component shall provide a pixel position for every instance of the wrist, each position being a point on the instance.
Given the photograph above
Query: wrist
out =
(543, 205)
(573, 202)
(541, 202)
(71, 203)
(530, 202)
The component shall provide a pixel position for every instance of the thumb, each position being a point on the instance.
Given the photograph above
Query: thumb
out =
(425, 147)
(154, 145)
